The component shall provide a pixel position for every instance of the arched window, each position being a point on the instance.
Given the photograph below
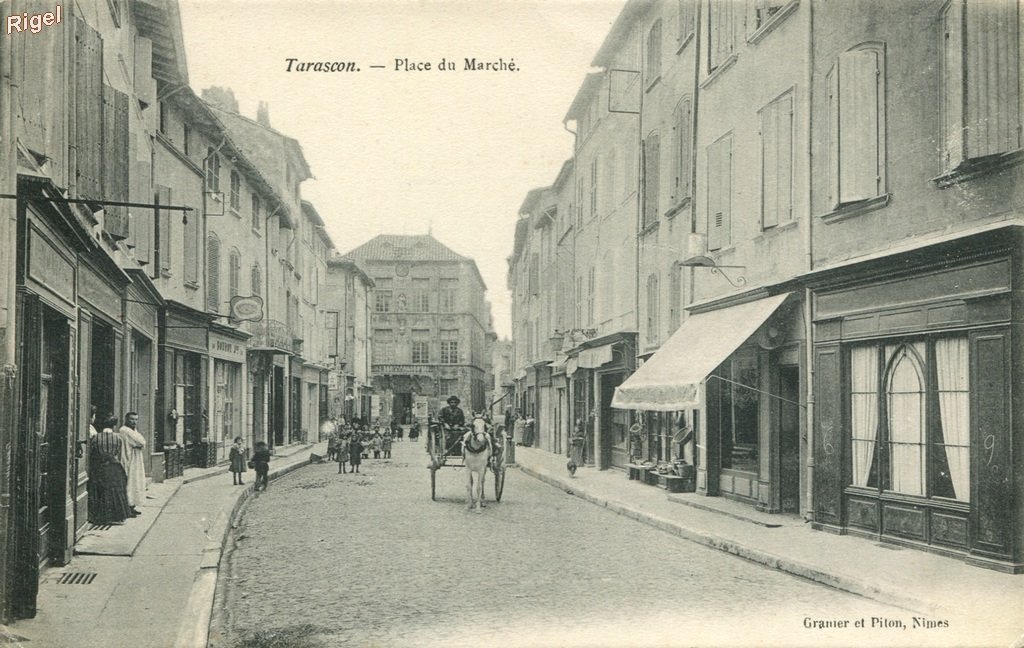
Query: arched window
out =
(212, 272)
(234, 272)
(904, 392)
(256, 280)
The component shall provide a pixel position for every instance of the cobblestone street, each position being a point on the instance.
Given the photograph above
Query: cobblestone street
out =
(328, 559)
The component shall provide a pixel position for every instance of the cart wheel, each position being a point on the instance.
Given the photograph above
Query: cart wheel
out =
(499, 483)
(433, 481)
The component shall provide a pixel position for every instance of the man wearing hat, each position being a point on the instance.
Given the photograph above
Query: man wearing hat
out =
(452, 415)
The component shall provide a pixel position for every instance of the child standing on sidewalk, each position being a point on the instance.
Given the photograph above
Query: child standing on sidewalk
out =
(261, 462)
(385, 444)
(237, 456)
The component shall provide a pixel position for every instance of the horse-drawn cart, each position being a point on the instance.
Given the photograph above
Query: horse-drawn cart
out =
(445, 446)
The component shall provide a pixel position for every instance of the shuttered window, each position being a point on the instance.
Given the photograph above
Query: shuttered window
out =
(653, 68)
(653, 315)
(115, 161)
(257, 218)
(652, 178)
(213, 273)
(256, 281)
(856, 126)
(777, 161)
(593, 187)
(685, 16)
(719, 158)
(234, 272)
(212, 170)
(89, 109)
(721, 31)
(191, 247)
(163, 234)
(236, 191)
(682, 120)
(980, 80)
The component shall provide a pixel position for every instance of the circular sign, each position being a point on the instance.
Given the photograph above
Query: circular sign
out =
(402, 269)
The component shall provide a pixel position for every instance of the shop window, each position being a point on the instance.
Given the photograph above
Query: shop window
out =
(738, 407)
(899, 442)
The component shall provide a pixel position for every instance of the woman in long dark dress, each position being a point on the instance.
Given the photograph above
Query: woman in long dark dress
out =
(108, 481)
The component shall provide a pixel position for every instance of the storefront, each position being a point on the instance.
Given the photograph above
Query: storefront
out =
(599, 366)
(141, 311)
(184, 371)
(228, 352)
(914, 367)
(738, 362)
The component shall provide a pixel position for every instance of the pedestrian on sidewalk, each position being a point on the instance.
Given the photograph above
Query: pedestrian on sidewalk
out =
(134, 461)
(355, 452)
(385, 445)
(237, 456)
(108, 481)
(261, 463)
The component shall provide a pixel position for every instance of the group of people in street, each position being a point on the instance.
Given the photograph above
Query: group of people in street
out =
(260, 462)
(116, 467)
(350, 443)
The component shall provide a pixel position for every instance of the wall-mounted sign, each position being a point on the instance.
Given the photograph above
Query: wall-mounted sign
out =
(244, 309)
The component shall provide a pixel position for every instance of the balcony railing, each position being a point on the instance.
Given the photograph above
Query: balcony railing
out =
(272, 334)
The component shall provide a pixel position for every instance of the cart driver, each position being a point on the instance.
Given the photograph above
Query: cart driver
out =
(452, 416)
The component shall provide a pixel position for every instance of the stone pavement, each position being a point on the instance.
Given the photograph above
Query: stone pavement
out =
(149, 583)
(935, 585)
(155, 577)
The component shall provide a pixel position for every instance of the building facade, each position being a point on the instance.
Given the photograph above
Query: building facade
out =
(429, 327)
(833, 340)
(345, 299)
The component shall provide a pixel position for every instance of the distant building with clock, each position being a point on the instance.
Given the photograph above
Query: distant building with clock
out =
(431, 326)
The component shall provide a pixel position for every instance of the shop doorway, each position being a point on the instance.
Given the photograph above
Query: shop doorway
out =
(277, 400)
(612, 441)
(402, 408)
(52, 432)
(789, 439)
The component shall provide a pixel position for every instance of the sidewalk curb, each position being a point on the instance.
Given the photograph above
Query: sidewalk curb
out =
(789, 566)
(194, 630)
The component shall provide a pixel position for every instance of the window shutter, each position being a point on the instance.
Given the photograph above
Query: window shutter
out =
(88, 97)
(212, 273)
(784, 117)
(714, 198)
(992, 69)
(236, 270)
(858, 125)
(115, 161)
(953, 85)
(163, 217)
(191, 247)
(833, 137)
(770, 166)
(141, 221)
(719, 193)
(652, 157)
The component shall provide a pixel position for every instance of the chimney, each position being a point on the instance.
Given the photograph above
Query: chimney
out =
(222, 98)
(263, 114)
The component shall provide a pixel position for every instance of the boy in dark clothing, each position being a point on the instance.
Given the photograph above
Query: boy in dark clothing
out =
(355, 452)
(261, 463)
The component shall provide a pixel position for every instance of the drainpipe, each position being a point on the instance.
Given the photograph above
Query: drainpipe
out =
(809, 250)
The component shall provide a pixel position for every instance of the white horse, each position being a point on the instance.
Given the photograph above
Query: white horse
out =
(476, 455)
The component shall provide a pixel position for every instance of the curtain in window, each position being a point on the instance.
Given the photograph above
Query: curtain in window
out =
(906, 424)
(864, 410)
(954, 407)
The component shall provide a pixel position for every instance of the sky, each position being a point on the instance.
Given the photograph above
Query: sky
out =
(410, 151)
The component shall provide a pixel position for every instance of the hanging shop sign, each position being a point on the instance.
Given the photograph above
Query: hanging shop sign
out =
(246, 309)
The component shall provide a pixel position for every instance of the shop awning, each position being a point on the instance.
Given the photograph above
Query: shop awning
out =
(596, 357)
(670, 380)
